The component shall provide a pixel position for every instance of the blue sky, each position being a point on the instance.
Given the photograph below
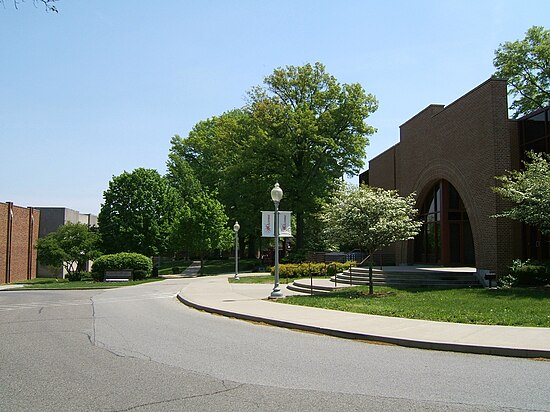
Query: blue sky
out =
(102, 86)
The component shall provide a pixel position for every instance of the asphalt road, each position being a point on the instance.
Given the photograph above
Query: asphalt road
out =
(139, 349)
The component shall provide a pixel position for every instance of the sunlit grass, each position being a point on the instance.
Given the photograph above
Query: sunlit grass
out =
(511, 307)
(52, 283)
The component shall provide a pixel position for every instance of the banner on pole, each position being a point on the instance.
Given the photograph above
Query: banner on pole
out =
(268, 224)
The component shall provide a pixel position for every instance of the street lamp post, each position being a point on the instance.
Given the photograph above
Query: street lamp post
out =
(276, 196)
(236, 228)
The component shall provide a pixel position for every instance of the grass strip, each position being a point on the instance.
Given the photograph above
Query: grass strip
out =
(50, 283)
(508, 307)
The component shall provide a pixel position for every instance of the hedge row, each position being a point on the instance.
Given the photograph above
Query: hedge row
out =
(531, 274)
(303, 270)
(141, 265)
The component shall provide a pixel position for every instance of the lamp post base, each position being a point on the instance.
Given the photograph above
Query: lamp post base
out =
(276, 294)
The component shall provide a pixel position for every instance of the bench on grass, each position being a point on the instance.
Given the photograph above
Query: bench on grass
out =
(118, 275)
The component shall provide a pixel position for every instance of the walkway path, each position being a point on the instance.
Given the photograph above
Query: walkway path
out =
(249, 301)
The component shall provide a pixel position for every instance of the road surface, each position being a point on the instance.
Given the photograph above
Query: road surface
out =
(139, 349)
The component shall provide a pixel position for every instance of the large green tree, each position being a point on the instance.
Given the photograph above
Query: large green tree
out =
(203, 228)
(526, 65)
(302, 129)
(219, 155)
(70, 247)
(529, 191)
(312, 132)
(138, 212)
(370, 218)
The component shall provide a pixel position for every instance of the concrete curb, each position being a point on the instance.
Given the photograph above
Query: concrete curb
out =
(419, 344)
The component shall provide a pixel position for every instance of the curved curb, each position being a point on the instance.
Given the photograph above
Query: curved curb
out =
(418, 344)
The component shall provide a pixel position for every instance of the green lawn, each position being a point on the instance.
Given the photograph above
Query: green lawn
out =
(511, 307)
(50, 283)
(258, 279)
(166, 268)
(220, 267)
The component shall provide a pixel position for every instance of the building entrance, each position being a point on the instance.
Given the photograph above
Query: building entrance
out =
(446, 236)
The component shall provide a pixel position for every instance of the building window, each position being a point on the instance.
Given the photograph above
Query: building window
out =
(534, 132)
(446, 236)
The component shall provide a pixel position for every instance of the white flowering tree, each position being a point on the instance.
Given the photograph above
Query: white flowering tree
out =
(529, 190)
(370, 218)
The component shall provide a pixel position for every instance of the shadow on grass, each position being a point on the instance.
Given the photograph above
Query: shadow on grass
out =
(538, 293)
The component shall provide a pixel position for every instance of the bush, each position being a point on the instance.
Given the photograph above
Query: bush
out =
(139, 274)
(176, 270)
(73, 277)
(528, 274)
(303, 270)
(119, 261)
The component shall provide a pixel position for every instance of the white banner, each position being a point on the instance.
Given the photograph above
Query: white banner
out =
(268, 224)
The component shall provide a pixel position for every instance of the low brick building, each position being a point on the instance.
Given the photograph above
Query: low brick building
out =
(449, 156)
(19, 228)
(50, 220)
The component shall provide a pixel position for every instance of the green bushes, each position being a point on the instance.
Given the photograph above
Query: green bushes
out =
(527, 274)
(303, 270)
(141, 265)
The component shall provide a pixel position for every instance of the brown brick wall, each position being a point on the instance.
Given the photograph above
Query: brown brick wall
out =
(3, 240)
(383, 174)
(466, 143)
(22, 252)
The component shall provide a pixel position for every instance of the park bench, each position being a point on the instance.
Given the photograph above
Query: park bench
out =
(118, 275)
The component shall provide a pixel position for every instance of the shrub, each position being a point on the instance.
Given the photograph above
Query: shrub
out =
(528, 273)
(139, 274)
(120, 261)
(303, 270)
(73, 276)
(176, 270)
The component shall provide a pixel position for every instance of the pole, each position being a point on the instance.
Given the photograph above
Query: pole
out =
(276, 293)
(236, 255)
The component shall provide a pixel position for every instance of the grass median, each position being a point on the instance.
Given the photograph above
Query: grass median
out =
(52, 283)
(509, 307)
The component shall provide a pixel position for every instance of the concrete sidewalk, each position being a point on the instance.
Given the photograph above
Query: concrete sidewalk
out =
(249, 301)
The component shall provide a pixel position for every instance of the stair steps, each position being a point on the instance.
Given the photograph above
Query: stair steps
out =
(405, 277)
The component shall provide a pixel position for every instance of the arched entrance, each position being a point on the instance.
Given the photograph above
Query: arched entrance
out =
(446, 236)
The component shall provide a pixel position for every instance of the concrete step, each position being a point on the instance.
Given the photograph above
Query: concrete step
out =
(409, 277)
(319, 286)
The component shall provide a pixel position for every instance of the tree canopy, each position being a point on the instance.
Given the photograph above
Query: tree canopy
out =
(219, 156)
(312, 132)
(202, 228)
(526, 65)
(70, 247)
(529, 190)
(301, 128)
(138, 213)
(370, 218)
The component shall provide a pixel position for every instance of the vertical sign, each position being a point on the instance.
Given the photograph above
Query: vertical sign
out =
(268, 224)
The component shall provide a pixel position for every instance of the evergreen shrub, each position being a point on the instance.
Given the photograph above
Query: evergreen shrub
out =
(141, 265)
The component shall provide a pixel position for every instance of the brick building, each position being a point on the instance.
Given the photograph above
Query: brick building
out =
(449, 155)
(18, 234)
(53, 217)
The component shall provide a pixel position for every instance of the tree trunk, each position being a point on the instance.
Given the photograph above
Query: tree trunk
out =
(371, 262)
(299, 230)
(251, 246)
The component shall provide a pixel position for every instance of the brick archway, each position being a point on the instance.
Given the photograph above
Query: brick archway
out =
(459, 228)
(446, 236)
